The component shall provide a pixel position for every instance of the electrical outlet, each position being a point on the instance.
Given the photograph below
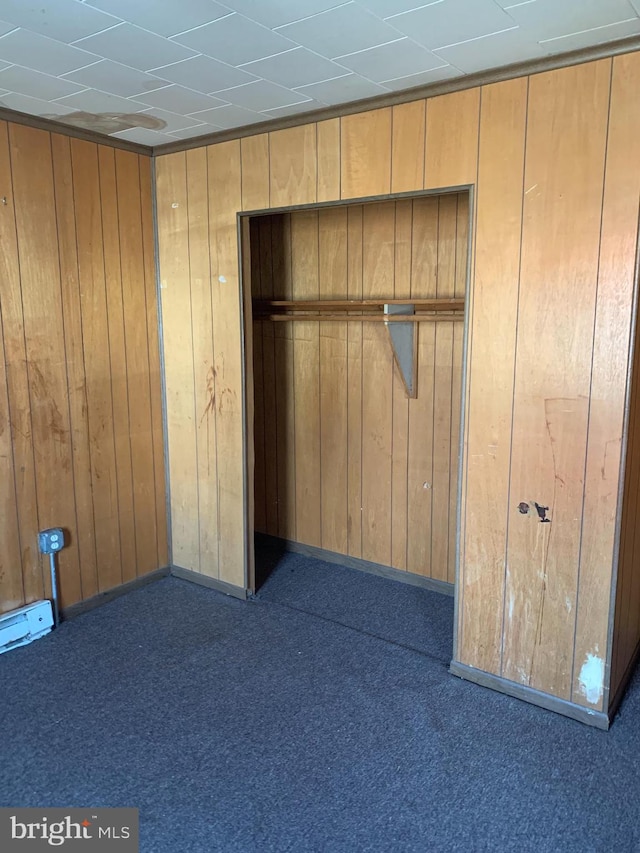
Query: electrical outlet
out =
(51, 540)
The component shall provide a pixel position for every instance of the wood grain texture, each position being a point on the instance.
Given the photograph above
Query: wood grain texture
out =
(357, 446)
(491, 372)
(175, 290)
(407, 147)
(225, 187)
(254, 152)
(293, 166)
(328, 141)
(451, 152)
(60, 259)
(616, 272)
(567, 114)
(365, 154)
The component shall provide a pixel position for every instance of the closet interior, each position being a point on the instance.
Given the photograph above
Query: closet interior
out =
(358, 331)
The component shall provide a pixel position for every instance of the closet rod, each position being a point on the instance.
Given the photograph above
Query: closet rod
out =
(362, 318)
(356, 304)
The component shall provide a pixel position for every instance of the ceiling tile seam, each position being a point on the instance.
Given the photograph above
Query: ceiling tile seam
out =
(78, 42)
(401, 35)
(395, 41)
(151, 92)
(119, 21)
(590, 30)
(291, 50)
(477, 38)
(315, 15)
(206, 24)
(408, 11)
(253, 83)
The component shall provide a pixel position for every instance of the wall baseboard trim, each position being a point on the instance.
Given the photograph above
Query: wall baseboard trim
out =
(355, 563)
(597, 719)
(621, 689)
(210, 583)
(111, 594)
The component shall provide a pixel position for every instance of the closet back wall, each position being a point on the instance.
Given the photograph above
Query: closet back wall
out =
(80, 407)
(344, 459)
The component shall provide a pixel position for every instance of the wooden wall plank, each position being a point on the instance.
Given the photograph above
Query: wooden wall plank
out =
(332, 283)
(407, 149)
(118, 368)
(451, 155)
(172, 213)
(365, 154)
(203, 358)
(293, 166)
(255, 171)
(284, 378)
(354, 384)
(609, 369)
(399, 462)
(491, 371)
(136, 338)
(155, 379)
(44, 336)
(377, 376)
(306, 343)
(18, 384)
(420, 444)
(225, 187)
(328, 159)
(567, 114)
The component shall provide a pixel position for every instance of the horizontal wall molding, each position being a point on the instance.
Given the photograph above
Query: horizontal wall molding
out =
(111, 594)
(210, 583)
(431, 584)
(431, 90)
(53, 126)
(597, 719)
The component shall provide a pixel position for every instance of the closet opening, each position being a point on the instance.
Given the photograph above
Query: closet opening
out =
(354, 339)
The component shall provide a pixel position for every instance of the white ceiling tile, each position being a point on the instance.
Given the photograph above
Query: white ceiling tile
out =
(172, 121)
(388, 61)
(346, 29)
(64, 20)
(195, 132)
(261, 95)
(446, 72)
(545, 19)
(296, 109)
(143, 136)
(177, 99)
(24, 81)
(203, 74)
(235, 40)
(343, 89)
(600, 35)
(165, 17)
(452, 21)
(115, 78)
(386, 8)
(34, 106)
(230, 116)
(42, 53)
(299, 67)
(135, 47)
(636, 5)
(92, 101)
(275, 13)
(493, 51)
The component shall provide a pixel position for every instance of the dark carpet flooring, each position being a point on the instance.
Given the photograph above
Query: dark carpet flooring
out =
(319, 716)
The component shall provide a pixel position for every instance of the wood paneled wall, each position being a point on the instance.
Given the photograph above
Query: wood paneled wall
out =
(80, 406)
(553, 159)
(343, 459)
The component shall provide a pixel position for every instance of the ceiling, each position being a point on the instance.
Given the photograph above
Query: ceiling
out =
(159, 71)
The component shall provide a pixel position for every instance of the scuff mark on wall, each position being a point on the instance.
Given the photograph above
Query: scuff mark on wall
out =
(592, 678)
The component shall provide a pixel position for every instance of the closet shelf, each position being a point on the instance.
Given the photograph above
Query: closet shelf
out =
(364, 317)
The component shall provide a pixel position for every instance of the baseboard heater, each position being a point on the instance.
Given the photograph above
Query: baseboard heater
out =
(22, 626)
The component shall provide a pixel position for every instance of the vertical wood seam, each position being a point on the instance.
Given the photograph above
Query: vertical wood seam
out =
(66, 367)
(515, 360)
(593, 340)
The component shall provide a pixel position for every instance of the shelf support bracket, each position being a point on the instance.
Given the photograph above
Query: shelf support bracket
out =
(403, 337)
